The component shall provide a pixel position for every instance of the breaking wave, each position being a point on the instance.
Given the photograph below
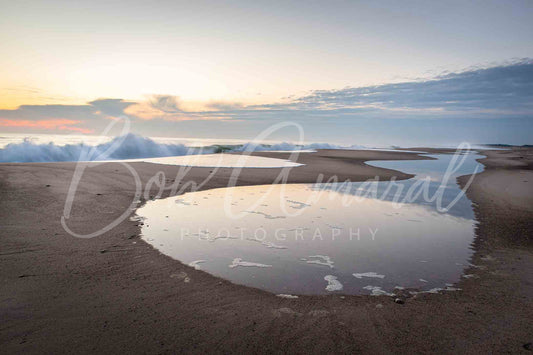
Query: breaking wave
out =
(132, 146)
(129, 146)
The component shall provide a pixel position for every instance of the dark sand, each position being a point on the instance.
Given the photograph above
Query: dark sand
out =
(62, 294)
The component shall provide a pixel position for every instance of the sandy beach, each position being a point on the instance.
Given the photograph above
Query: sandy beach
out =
(116, 293)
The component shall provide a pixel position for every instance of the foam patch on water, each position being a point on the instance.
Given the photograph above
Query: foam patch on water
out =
(377, 291)
(368, 274)
(267, 244)
(124, 147)
(332, 226)
(195, 264)
(333, 283)
(212, 239)
(320, 260)
(266, 215)
(238, 262)
(436, 290)
(205, 235)
(297, 205)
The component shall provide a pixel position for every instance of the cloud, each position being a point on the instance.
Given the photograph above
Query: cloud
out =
(37, 112)
(504, 91)
(86, 118)
(111, 107)
(171, 108)
(499, 91)
(54, 124)
(225, 106)
(165, 103)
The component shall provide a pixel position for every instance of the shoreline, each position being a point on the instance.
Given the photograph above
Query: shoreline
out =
(135, 288)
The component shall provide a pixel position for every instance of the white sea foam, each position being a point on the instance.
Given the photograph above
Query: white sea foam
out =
(213, 239)
(368, 274)
(129, 146)
(283, 295)
(298, 205)
(320, 260)
(333, 283)
(48, 148)
(333, 226)
(267, 244)
(195, 264)
(377, 291)
(436, 290)
(238, 262)
(266, 215)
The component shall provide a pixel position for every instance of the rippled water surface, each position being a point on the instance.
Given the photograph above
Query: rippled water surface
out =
(354, 238)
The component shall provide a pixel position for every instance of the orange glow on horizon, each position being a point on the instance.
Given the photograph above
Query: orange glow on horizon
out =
(60, 124)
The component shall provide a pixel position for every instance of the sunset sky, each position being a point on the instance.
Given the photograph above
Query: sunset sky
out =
(354, 72)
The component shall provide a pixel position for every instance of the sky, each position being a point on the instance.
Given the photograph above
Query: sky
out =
(350, 72)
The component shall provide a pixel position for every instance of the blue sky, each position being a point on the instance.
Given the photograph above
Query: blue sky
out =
(350, 72)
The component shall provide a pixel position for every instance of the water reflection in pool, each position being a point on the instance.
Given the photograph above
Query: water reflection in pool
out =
(354, 238)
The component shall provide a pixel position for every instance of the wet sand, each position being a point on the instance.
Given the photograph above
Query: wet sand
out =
(116, 293)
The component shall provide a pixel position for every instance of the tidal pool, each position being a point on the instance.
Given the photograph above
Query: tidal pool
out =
(353, 238)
